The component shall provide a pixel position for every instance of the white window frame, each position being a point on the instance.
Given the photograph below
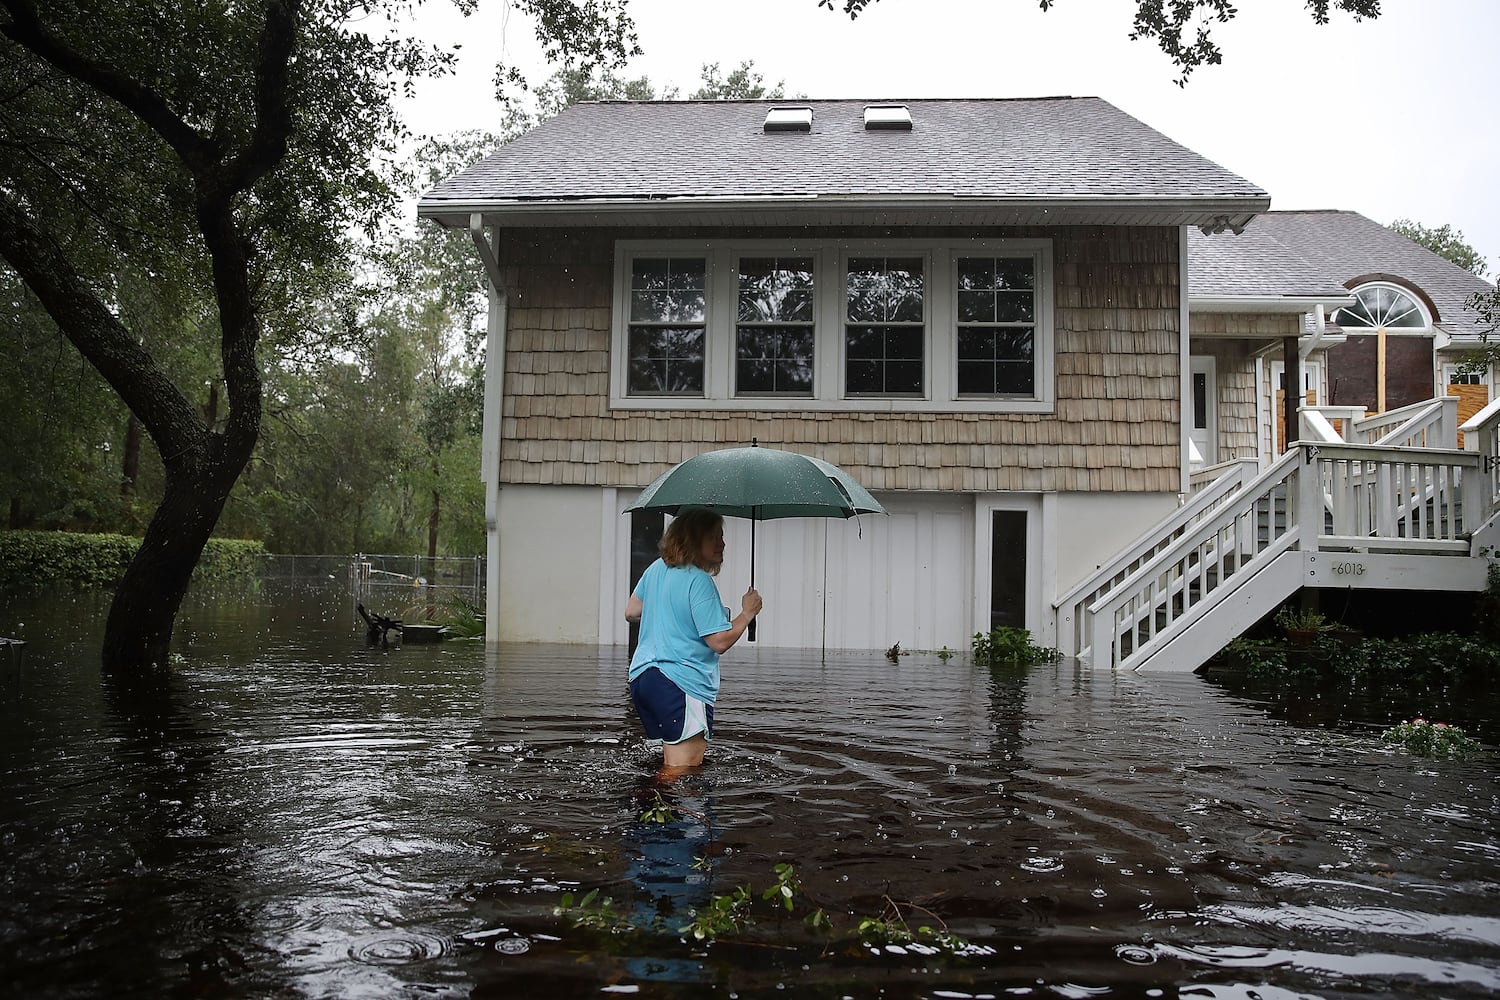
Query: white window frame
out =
(1425, 330)
(940, 309)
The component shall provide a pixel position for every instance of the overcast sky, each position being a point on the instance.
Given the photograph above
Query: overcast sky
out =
(1392, 118)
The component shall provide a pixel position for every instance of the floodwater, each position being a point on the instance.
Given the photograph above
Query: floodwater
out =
(294, 815)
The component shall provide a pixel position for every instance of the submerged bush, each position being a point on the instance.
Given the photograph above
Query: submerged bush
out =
(1431, 739)
(1010, 645)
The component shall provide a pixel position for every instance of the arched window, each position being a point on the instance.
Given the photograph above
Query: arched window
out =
(1380, 306)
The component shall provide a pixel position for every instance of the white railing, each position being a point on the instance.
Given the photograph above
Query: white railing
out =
(1482, 437)
(1205, 476)
(1316, 497)
(1136, 616)
(1073, 624)
(1432, 423)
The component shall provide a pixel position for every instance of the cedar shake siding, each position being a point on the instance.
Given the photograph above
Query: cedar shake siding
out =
(1115, 426)
(1219, 335)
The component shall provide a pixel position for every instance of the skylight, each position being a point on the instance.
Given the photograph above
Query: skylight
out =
(887, 116)
(789, 119)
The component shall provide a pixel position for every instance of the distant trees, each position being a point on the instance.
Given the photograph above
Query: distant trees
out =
(1445, 241)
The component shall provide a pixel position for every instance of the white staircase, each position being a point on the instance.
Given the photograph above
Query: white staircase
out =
(1392, 513)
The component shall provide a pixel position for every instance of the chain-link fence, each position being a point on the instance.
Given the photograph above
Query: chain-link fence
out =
(416, 588)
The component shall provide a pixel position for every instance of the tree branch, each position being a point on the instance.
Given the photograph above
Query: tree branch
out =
(99, 336)
(26, 29)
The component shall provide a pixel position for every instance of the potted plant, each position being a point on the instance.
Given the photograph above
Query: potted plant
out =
(1301, 625)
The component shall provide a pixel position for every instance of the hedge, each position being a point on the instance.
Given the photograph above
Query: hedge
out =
(31, 560)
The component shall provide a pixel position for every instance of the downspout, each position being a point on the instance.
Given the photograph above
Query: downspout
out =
(1320, 330)
(1184, 367)
(494, 405)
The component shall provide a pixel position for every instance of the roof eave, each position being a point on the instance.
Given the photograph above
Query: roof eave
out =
(772, 209)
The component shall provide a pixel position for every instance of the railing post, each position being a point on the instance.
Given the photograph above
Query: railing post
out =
(1448, 423)
(1307, 498)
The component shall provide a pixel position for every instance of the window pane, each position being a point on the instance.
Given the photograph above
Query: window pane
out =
(904, 342)
(976, 307)
(665, 359)
(865, 342)
(648, 274)
(775, 289)
(1014, 307)
(976, 273)
(996, 361)
(667, 290)
(863, 376)
(888, 289)
(774, 359)
(903, 377)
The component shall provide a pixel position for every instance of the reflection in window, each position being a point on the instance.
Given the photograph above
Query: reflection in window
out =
(885, 326)
(774, 327)
(1382, 307)
(667, 320)
(996, 326)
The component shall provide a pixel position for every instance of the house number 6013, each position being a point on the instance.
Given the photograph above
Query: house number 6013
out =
(1349, 569)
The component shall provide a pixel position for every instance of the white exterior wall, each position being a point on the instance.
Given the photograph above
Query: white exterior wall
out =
(1093, 527)
(918, 577)
(551, 542)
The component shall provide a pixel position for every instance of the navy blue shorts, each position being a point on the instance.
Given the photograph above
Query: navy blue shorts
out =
(667, 713)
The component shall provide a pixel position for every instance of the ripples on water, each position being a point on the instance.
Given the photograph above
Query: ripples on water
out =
(295, 815)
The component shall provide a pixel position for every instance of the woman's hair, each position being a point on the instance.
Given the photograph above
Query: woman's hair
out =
(683, 542)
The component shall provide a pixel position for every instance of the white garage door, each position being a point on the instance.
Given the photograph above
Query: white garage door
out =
(865, 583)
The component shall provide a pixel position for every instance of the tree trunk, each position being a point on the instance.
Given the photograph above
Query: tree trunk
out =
(138, 632)
(432, 519)
(130, 464)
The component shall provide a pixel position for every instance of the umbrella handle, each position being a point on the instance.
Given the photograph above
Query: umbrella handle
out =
(750, 629)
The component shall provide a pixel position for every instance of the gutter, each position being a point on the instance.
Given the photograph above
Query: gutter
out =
(1212, 210)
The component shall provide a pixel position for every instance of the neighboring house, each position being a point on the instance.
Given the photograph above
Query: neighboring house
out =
(1401, 336)
(975, 307)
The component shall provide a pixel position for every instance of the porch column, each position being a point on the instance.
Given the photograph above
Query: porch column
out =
(1291, 390)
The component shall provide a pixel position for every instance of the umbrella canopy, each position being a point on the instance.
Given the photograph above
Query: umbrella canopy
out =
(760, 484)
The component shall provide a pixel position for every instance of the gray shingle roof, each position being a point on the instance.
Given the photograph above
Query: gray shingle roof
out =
(1343, 245)
(1028, 150)
(1254, 265)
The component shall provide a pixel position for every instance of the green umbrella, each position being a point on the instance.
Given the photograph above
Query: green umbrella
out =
(760, 484)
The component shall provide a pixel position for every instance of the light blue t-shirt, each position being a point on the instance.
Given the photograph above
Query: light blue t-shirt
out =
(680, 605)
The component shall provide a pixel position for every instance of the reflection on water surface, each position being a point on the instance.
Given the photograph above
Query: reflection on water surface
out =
(293, 814)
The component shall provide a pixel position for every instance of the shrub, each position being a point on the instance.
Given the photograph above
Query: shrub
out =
(32, 560)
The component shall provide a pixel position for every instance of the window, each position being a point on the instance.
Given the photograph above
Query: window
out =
(996, 326)
(667, 322)
(773, 340)
(823, 324)
(1383, 307)
(885, 333)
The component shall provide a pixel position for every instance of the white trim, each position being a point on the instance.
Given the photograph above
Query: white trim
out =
(1209, 366)
(611, 601)
(1040, 572)
(1293, 304)
(940, 377)
(489, 448)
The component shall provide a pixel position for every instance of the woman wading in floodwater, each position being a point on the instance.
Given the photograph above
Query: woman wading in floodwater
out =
(674, 675)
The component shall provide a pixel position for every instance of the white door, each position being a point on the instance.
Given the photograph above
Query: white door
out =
(1203, 408)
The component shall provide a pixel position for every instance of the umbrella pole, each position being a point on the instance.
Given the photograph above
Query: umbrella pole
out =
(750, 629)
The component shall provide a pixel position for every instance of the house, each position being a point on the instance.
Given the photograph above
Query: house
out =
(1401, 335)
(975, 307)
